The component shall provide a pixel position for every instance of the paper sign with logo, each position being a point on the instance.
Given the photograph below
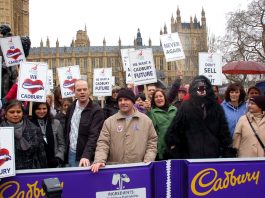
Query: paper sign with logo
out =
(102, 82)
(172, 47)
(12, 50)
(210, 65)
(67, 77)
(7, 153)
(142, 66)
(126, 64)
(32, 81)
(50, 79)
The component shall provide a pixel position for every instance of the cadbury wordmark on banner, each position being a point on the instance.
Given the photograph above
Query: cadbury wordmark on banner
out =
(32, 81)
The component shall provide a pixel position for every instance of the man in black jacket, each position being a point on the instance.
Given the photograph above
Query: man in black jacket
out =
(83, 125)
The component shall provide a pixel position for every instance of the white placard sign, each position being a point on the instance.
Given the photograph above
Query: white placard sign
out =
(102, 82)
(142, 66)
(0, 76)
(210, 65)
(172, 47)
(32, 81)
(12, 50)
(50, 79)
(126, 64)
(7, 152)
(67, 77)
(113, 81)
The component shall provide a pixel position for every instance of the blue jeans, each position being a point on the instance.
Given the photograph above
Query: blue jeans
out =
(71, 159)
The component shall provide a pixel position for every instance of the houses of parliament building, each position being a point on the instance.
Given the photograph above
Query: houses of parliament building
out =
(193, 36)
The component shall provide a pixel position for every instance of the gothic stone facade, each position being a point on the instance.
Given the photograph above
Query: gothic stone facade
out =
(193, 36)
(15, 13)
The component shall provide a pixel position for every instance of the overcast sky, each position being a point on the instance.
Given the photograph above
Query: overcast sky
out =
(120, 18)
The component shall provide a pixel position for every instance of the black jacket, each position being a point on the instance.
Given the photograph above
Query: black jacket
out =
(35, 156)
(111, 107)
(92, 118)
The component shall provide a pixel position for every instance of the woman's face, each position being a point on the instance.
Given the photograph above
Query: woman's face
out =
(159, 99)
(14, 114)
(41, 111)
(253, 108)
(115, 94)
(140, 102)
(49, 99)
(66, 105)
(252, 93)
(234, 95)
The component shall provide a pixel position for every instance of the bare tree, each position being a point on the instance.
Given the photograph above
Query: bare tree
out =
(244, 38)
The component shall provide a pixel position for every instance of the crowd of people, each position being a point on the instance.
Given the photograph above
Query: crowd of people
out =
(185, 121)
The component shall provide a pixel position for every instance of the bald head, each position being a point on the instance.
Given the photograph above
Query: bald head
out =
(81, 91)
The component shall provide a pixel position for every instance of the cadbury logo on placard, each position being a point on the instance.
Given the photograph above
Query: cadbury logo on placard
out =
(13, 53)
(69, 83)
(4, 156)
(207, 180)
(33, 84)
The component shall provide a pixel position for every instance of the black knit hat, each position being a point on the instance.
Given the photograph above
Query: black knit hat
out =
(126, 93)
(259, 101)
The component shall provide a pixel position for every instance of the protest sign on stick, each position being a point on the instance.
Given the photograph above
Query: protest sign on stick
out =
(142, 67)
(12, 50)
(102, 82)
(32, 81)
(210, 65)
(126, 64)
(67, 77)
(172, 47)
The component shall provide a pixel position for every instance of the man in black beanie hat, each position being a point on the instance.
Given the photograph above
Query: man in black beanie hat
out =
(126, 137)
(260, 101)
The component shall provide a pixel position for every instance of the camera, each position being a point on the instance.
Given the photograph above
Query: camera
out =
(52, 188)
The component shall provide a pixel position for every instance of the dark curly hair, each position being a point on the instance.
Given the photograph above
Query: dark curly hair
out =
(234, 87)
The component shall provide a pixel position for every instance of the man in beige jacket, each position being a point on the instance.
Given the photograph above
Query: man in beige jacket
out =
(126, 137)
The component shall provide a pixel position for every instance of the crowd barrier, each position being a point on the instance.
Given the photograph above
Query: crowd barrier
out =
(173, 178)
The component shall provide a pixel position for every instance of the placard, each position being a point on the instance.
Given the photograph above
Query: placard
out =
(32, 81)
(172, 47)
(67, 77)
(7, 152)
(50, 79)
(210, 65)
(12, 50)
(126, 64)
(102, 82)
(0, 76)
(142, 66)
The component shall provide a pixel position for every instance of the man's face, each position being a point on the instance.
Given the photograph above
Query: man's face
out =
(125, 106)
(81, 91)
(150, 90)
